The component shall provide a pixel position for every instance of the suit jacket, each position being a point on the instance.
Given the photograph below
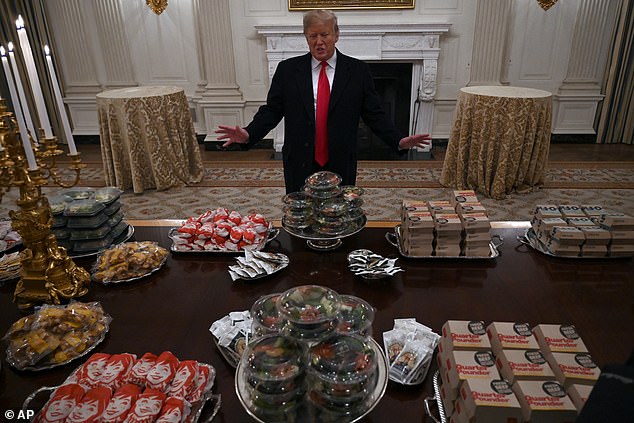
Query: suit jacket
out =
(352, 96)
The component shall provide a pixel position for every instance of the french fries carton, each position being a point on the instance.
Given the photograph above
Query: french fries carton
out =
(620, 221)
(511, 335)
(558, 338)
(462, 365)
(463, 196)
(544, 402)
(593, 210)
(470, 207)
(464, 335)
(579, 394)
(489, 400)
(596, 235)
(571, 368)
(571, 210)
(523, 365)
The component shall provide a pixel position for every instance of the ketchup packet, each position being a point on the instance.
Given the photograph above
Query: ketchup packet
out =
(91, 406)
(161, 375)
(175, 410)
(117, 367)
(184, 381)
(147, 407)
(61, 403)
(120, 404)
(140, 369)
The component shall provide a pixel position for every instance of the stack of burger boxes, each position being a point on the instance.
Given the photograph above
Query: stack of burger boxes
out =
(583, 231)
(447, 228)
(418, 228)
(476, 235)
(509, 372)
(621, 227)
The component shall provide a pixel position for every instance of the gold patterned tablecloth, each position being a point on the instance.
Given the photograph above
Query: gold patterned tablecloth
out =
(499, 141)
(148, 139)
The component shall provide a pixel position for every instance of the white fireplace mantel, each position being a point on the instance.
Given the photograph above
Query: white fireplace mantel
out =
(415, 43)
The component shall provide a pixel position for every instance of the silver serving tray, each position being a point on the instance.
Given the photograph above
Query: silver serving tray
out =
(316, 236)
(530, 239)
(264, 275)
(394, 238)
(306, 410)
(271, 234)
(436, 398)
(196, 408)
(126, 237)
(127, 280)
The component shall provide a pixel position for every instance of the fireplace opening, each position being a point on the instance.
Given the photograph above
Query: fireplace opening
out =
(393, 82)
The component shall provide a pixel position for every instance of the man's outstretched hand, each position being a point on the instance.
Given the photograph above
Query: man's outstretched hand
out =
(233, 135)
(419, 140)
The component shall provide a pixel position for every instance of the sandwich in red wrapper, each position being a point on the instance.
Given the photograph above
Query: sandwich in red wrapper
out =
(147, 407)
(184, 381)
(120, 404)
(91, 406)
(204, 382)
(117, 366)
(61, 403)
(161, 375)
(175, 410)
(89, 373)
(141, 367)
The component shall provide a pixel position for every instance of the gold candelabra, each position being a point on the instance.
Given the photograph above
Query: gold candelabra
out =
(47, 275)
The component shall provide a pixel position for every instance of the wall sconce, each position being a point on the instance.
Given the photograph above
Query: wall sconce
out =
(157, 6)
(546, 4)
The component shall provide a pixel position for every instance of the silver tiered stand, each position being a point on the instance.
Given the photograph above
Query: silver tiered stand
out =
(320, 242)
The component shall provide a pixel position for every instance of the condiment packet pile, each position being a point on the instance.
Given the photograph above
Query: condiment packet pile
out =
(232, 333)
(256, 264)
(9, 267)
(409, 348)
(367, 264)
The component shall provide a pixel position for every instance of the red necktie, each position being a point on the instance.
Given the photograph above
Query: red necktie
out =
(321, 118)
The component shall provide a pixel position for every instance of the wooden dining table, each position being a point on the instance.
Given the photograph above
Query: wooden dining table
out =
(173, 308)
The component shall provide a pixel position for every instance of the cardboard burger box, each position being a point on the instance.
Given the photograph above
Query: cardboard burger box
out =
(579, 221)
(547, 210)
(558, 338)
(475, 222)
(464, 335)
(511, 335)
(440, 207)
(568, 235)
(593, 210)
(523, 365)
(544, 402)
(618, 237)
(620, 221)
(617, 250)
(571, 210)
(413, 206)
(591, 250)
(573, 368)
(471, 207)
(545, 225)
(462, 365)
(447, 397)
(489, 400)
(448, 224)
(579, 394)
(463, 196)
(596, 235)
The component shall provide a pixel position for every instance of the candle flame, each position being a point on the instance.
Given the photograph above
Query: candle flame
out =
(47, 50)
(2, 51)
(19, 23)
(10, 45)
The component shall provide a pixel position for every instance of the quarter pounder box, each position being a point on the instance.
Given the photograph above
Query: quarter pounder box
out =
(464, 335)
(544, 402)
(523, 365)
(511, 335)
(573, 368)
(462, 365)
(558, 338)
(489, 400)
(579, 394)
(464, 196)
(470, 207)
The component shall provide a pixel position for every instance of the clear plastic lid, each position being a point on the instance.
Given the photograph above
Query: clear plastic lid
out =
(107, 195)
(264, 313)
(355, 316)
(342, 358)
(323, 180)
(298, 200)
(275, 357)
(79, 193)
(86, 222)
(309, 304)
(91, 245)
(83, 208)
(322, 194)
(352, 194)
(58, 203)
(83, 234)
(119, 230)
(334, 207)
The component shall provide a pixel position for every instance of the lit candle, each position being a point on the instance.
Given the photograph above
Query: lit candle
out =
(28, 150)
(60, 104)
(33, 77)
(23, 103)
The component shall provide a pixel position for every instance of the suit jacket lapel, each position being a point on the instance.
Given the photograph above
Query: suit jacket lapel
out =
(304, 80)
(342, 77)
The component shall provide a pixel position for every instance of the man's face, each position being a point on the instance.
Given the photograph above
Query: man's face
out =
(321, 39)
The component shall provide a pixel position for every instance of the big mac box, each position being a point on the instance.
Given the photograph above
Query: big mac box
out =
(489, 400)
(571, 210)
(573, 368)
(579, 394)
(447, 224)
(511, 335)
(558, 338)
(462, 365)
(523, 365)
(618, 221)
(544, 402)
(413, 206)
(470, 207)
(475, 222)
(463, 335)
(440, 207)
(595, 235)
(579, 221)
(546, 210)
(593, 210)
(463, 196)
(543, 226)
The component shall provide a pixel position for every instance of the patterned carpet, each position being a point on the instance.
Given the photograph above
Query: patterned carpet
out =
(258, 186)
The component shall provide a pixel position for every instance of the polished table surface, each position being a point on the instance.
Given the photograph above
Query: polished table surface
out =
(173, 308)
(499, 140)
(147, 138)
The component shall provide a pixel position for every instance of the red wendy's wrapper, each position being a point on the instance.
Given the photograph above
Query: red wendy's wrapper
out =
(140, 369)
(175, 410)
(220, 214)
(89, 373)
(117, 367)
(147, 407)
(161, 375)
(235, 217)
(204, 382)
(207, 229)
(206, 217)
(120, 404)
(91, 406)
(61, 403)
(184, 381)
(236, 234)
(189, 228)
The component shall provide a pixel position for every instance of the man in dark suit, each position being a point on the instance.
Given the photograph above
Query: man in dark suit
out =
(295, 95)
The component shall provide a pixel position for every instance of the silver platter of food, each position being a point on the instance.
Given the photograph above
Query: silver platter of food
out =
(396, 239)
(321, 241)
(531, 239)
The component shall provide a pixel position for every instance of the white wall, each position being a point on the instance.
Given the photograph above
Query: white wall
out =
(101, 44)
